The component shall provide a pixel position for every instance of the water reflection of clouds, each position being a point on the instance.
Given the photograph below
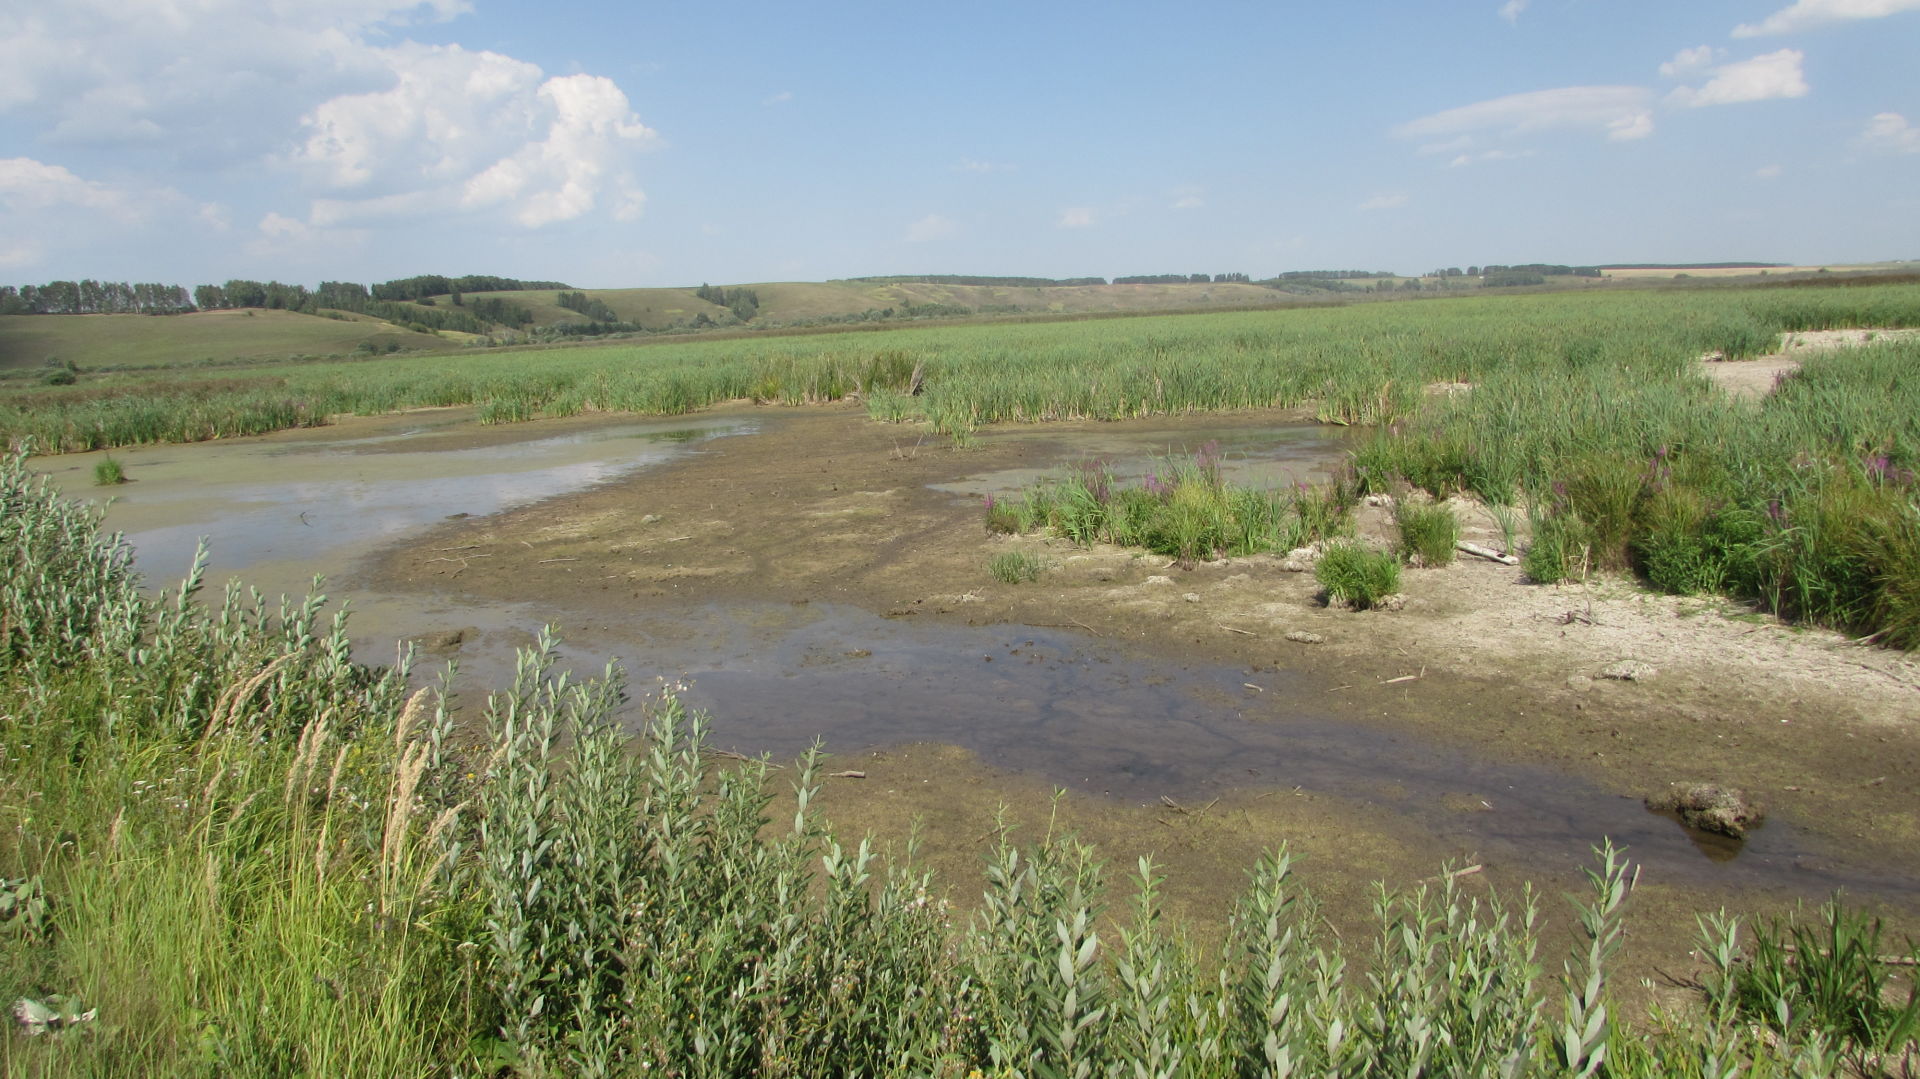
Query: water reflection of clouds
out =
(327, 507)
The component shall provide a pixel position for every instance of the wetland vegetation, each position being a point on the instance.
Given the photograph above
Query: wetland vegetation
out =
(229, 849)
(232, 851)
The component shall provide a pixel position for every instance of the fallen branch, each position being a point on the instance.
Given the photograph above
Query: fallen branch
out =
(545, 561)
(851, 773)
(1487, 553)
(1242, 632)
(1456, 874)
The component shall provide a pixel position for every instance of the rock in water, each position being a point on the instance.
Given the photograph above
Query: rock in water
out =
(1711, 808)
(1629, 670)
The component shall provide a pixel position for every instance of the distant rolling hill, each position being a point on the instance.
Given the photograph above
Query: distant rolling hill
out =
(795, 303)
(97, 341)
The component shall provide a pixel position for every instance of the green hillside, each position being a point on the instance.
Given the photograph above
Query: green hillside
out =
(789, 303)
(95, 341)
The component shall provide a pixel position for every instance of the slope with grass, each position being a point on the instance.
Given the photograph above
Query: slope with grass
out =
(96, 341)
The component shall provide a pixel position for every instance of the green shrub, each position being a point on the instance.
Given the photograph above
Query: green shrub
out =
(1828, 973)
(1357, 576)
(1015, 567)
(1428, 531)
(107, 472)
(1560, 549)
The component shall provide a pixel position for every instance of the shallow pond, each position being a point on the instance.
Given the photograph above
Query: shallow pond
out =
(1084, 713)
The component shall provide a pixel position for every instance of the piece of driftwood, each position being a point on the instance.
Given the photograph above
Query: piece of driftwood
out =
(851, 773)
(1487, 553)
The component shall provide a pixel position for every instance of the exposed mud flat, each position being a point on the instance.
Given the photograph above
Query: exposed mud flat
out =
(826, 574)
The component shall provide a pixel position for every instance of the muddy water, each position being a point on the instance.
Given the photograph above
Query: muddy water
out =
(1087, 714)
(1105, 718)
(287, 507)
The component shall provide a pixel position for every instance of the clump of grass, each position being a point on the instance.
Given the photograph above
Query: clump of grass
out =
(108, 472)
(1183, 508)
(1356, 576)
(1428, 532)
(1560, 548)
(1829, 973)
(1016, 567)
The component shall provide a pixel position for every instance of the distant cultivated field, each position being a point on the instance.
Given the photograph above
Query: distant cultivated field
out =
(145, 340)
(1641, 272)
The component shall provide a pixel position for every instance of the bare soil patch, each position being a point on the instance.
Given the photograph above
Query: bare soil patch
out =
(1756, 377)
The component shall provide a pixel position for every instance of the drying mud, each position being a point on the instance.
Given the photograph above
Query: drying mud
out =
(813, 573)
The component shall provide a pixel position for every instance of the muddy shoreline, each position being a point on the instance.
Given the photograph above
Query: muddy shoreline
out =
(824, 506)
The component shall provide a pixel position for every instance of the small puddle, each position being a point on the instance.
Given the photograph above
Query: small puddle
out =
(1263, 458)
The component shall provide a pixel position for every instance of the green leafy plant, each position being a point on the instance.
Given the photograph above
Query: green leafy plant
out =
(108, 472)
(1357, 576)
(1428, 532)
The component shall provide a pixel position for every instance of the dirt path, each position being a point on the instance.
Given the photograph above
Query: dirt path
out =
(825, 505)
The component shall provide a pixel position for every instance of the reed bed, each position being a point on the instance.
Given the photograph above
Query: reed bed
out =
(1365, 364)
(1804, 502)
(228, 850)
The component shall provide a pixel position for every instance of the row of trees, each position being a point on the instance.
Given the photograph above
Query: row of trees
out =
(94, 298)
(422, 313)
(743, 302)
(414, 288)
(975, 279)
(595, 310)
(1183, 279)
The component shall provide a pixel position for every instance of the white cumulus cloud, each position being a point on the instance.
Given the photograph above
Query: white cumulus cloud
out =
(1763, 78)
(1464, 160)
(1621, 112)
(931, 227)
(1891, 131)
(49, 208)
(29, 186)
(1686, 62)
(1511, 10)
(1806, 14)
(1076, 217)
(330, 96)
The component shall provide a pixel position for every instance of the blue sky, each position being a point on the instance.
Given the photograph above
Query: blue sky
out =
(636, 144)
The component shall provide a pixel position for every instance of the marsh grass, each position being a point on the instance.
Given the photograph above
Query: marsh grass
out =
(1183, 508)
(1427, 532)
(1016, 567)
(108, 472)
(1354, 575)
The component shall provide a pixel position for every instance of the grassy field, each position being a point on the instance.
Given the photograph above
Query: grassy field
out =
(227, 850)
(93, 341)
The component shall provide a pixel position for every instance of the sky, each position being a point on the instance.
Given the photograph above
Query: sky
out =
(636, 144)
